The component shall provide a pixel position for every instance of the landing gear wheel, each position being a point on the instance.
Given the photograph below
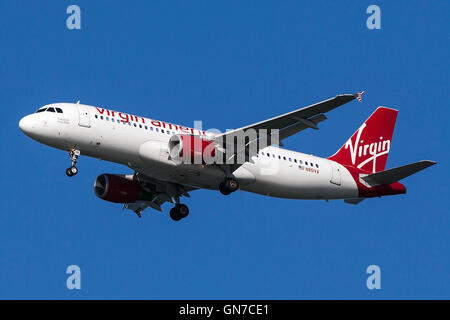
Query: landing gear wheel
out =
(179, 212)
(183, 210)
(74, 154)
(228, 186)
(71, 171)
(174, 215)
(232, 185)
(223, 190)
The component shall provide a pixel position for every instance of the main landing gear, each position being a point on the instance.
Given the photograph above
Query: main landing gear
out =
(228, 186)
(74, 158)
(180, 211)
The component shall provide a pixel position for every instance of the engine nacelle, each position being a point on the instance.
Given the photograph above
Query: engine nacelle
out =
(191, 149)
(119, 189)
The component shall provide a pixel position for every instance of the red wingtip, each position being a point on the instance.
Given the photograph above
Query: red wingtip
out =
(359, 96)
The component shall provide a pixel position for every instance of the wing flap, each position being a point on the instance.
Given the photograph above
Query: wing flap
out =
(301, 125)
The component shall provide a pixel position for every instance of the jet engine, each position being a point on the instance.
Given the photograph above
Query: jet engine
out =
(119, 189)
(191, 149)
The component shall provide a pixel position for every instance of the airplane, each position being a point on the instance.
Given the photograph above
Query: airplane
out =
(170, 161)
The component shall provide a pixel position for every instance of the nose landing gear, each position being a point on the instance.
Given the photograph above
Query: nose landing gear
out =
(74, 158)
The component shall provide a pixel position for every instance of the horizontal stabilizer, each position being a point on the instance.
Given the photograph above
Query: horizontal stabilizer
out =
(397, 174)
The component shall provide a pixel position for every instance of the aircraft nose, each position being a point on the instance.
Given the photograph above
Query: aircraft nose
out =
(26, 124)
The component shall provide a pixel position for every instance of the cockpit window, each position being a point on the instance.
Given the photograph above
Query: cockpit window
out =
(58, 110)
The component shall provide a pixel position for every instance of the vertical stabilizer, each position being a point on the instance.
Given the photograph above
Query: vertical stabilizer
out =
(368, 148)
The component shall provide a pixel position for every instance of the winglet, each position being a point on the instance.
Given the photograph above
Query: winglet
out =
(359, 96)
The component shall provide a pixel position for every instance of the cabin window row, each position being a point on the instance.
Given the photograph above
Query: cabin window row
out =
(290, 159)
(134, 124)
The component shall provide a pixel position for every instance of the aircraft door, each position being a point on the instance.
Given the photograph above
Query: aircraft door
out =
(83, 116)
(335, 174)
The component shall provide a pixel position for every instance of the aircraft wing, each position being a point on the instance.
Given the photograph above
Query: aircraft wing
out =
(302, 116)
(287, 124)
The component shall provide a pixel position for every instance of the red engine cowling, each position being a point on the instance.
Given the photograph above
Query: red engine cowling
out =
(191, 149)
(117, 188)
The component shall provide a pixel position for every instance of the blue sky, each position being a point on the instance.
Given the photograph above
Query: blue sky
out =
(228, 64)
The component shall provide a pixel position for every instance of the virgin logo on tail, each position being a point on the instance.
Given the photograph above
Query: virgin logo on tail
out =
(374, 149)
(368, 148)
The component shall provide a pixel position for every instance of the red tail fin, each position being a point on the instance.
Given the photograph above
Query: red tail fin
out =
(368, 148)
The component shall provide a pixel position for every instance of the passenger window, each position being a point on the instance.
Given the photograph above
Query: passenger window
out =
(107, 119)
(112, 119)
(290, 160)
(306, 162)
(51, 110)
(317, 166)
(96, 116)
(140, 126)
(284, 158)
(101, 117)
(59, 110)
(312, 164)
(273, 156)
(300, 161)
(268, 154)
(157, 130)
(145, 127)
(279, 157)
(295, 160)
(162, 130)
(134, 125)
(151, 128)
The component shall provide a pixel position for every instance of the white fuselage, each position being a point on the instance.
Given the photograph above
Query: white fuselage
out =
(142, 145)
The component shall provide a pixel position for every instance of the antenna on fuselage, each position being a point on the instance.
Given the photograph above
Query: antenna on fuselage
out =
(78, 102)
